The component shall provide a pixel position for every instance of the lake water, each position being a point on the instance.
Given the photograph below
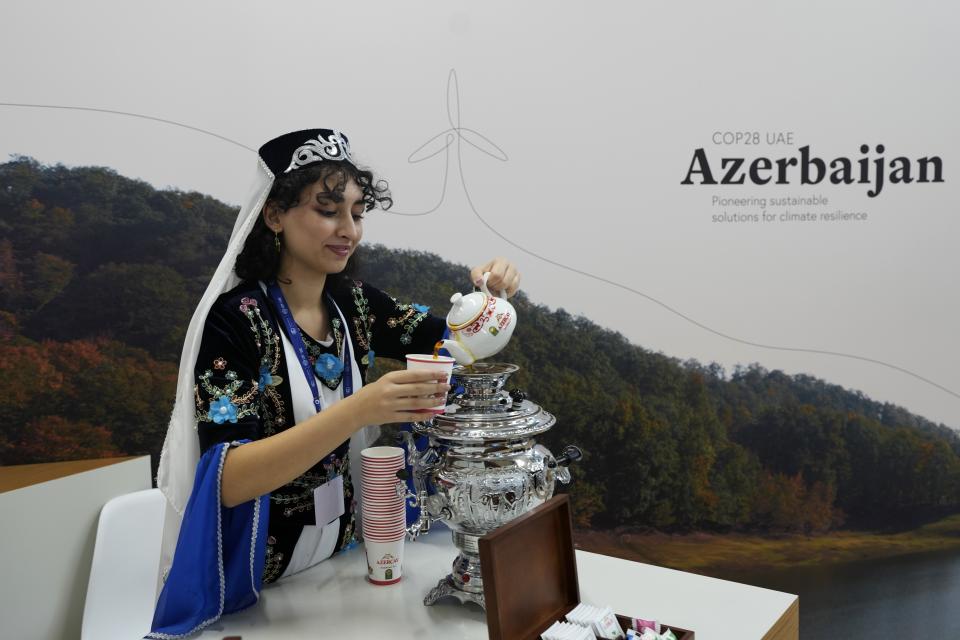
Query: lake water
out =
(916, 596)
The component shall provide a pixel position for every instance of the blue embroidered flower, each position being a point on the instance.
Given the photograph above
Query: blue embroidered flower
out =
(328, 366)
(222, 410)
(265, 377)
(421, 308)
(369, 359)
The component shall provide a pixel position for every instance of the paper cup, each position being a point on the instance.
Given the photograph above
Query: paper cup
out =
(382, 506)
(380, 483)
(374, 516)
(382, 461)
(378, 467)
(380, 526)
(375, 504)
(380, 480)
(384, 465)
(382, 502)
(385, 535)
(382, 512)
(386, 488)
(384, 561)
(440, 364)
(371, 454)
(378, 504)
(384, 496)
(385, 520)
(380, 477)
(386, 532)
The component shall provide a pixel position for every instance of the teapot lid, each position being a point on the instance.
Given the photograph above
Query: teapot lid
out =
(466, 309)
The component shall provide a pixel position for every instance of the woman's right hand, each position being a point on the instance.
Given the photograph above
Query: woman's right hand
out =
(395, 394)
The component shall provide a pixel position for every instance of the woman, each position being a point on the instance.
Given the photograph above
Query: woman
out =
(271, 405)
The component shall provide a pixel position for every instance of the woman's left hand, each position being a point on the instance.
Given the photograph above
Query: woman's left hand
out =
(503, 276)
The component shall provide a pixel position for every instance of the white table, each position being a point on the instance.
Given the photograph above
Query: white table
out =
(334, 600)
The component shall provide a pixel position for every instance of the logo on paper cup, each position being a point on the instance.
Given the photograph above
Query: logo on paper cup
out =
(387, 559)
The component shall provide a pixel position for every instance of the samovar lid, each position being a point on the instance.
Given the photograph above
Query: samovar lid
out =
(484, 411)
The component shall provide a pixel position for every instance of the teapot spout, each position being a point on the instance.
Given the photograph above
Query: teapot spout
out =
(459, 352)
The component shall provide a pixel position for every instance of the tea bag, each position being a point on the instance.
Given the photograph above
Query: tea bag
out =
(566, 631)
(601, 621)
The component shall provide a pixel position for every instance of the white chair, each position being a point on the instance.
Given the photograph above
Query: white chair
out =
(122, 591)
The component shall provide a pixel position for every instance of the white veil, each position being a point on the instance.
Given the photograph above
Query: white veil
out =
(181, 448)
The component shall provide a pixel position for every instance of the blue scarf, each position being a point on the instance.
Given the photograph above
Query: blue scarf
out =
(218, 563)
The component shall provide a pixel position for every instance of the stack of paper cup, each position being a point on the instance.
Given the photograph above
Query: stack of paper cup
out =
(384, 516)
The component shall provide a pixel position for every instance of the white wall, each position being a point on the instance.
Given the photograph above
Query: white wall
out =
(597, 108)
(47, 534)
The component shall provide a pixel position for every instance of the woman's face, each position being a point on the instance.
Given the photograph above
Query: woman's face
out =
(323, 230)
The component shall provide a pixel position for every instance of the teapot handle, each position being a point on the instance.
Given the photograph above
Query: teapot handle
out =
(483, 286)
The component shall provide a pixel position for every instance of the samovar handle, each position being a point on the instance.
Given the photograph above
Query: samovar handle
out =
(407, 439)
(571, 453)
(404, 493)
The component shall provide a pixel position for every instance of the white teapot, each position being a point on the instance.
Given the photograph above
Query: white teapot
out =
(480, 324)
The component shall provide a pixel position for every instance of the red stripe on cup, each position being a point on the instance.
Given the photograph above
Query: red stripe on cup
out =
(439, 360)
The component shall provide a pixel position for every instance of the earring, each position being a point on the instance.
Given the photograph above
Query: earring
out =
(276, 240)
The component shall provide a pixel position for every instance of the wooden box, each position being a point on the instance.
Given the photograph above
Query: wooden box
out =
(530, 574)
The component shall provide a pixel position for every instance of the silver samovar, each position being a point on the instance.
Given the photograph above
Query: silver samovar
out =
(482, 468)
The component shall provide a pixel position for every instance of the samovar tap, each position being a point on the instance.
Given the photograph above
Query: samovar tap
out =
(423, 501)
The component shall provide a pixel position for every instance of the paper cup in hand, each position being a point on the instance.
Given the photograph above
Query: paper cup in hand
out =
(427, 362)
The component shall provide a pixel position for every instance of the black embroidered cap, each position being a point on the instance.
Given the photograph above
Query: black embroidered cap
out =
(300, 148)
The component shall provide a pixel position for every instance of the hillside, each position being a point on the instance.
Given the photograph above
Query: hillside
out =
(99, 275)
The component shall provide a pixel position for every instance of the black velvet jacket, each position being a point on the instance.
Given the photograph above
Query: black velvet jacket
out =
(243, 389)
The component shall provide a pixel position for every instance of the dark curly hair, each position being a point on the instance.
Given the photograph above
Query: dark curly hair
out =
(260, 260)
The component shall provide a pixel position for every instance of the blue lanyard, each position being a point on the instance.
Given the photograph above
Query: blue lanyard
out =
(293, 333)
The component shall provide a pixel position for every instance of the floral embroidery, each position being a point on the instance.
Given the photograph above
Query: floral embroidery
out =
(330, 466)
(337, 338)
(363, 322)
(222, 410)
(410, 316)
(246, 304)
(273, 562)
(271, 404)
(262, 398)
(349, 539)
(302, 498)
(267, 379)
(368, 359)
(225, 404)
(317, 354)
(328, 366)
